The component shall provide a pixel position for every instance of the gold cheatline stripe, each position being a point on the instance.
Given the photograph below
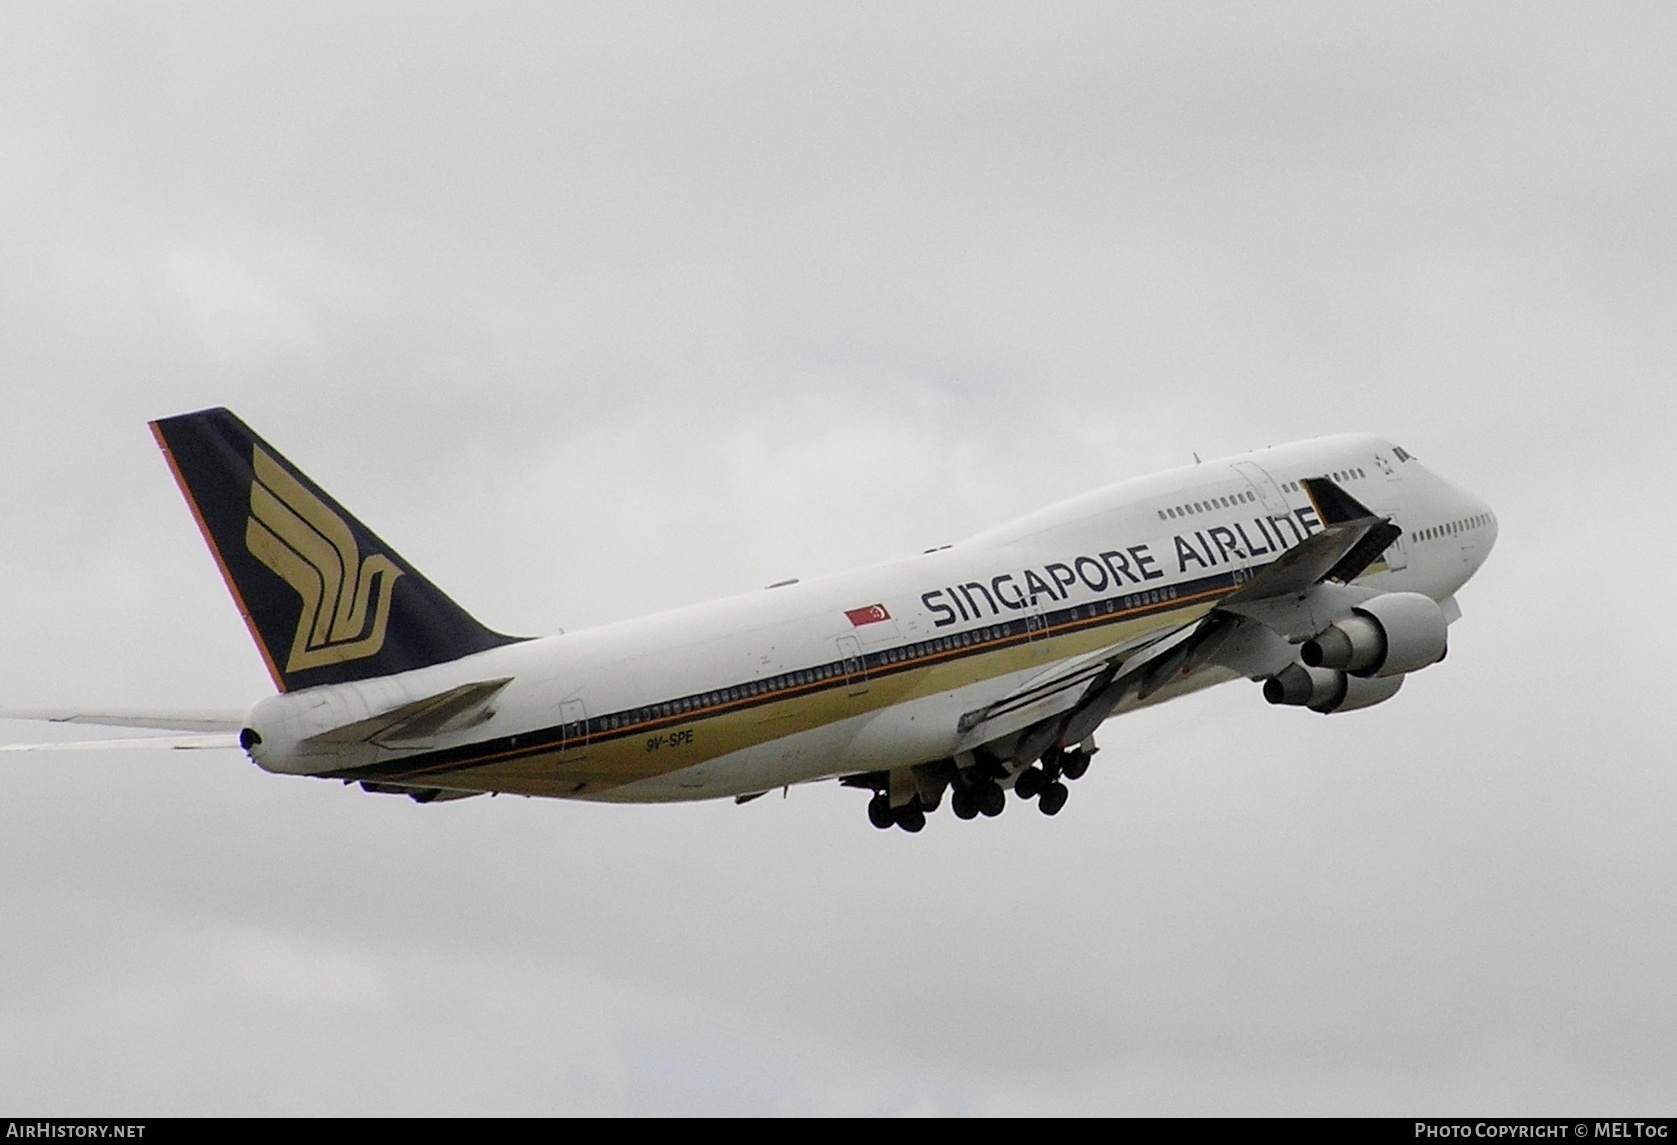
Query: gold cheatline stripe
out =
(620, 757)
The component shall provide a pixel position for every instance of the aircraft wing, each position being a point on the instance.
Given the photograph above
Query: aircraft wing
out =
(1062, 687)
(1067, 703)
(1352, 538)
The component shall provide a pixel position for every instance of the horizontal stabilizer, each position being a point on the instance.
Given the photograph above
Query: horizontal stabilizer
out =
(456, 708)
(197, 742)
(168, 721)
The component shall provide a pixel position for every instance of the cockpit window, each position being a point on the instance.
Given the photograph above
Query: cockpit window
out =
(1401, 455)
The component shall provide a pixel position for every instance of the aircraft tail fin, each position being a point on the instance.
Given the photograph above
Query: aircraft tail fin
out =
(325, 600)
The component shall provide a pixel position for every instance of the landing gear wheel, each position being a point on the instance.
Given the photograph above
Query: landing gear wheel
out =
(911, 818)
(989, 767)
(965, 803)
(1029, 784)
(879, 811)
(1053, 798)
(992, 800)
(1074, 765)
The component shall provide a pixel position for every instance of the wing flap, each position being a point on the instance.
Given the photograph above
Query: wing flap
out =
(1065, 686)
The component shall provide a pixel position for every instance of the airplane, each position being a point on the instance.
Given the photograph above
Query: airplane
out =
(1325, 571)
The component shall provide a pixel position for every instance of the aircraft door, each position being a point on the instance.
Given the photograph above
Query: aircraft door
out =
(1269, 493)
(1036, 627)
(1274, 506)
(855, 666)
(573, 730)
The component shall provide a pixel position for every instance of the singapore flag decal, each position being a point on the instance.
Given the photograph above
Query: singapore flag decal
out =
(872, 614)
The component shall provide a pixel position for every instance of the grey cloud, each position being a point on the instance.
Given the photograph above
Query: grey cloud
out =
(597, 310)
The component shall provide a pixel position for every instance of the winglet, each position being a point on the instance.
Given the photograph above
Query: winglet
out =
(1334, 506)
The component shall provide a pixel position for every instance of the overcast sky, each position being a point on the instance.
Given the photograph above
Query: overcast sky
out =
(592, 310)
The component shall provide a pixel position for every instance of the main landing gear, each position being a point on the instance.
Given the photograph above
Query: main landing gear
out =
(911, 817)
(904, 798)
(981, 796)
(1043, 782)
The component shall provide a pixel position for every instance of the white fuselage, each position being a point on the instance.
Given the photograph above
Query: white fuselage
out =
(781, 686)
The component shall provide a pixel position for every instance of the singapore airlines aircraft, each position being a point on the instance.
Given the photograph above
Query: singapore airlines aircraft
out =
(1325, 570)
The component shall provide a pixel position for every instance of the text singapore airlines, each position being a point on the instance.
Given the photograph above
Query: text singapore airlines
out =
(1326, 570)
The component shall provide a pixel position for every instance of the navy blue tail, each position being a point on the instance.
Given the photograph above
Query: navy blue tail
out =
(325, 599)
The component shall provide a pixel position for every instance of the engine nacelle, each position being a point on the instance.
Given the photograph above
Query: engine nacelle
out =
(1328, 690)
(1389, 635)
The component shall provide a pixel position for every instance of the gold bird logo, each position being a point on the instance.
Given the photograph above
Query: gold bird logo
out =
(297, 535)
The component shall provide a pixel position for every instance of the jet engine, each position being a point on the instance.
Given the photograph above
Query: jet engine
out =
(1328, 690)
(1391, 634)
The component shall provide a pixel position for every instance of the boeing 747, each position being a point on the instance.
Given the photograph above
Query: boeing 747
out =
(1325, 571)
